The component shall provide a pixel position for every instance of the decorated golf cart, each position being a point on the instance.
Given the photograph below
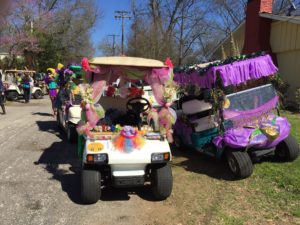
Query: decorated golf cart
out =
(116, 144)
(233, 112)
(69, 100)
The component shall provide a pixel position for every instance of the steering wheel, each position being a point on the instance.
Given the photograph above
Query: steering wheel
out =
(138, 105)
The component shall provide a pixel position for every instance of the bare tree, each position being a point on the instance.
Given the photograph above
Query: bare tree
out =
(49, 30)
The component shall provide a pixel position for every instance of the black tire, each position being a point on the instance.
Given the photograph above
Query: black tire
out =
(90, 186)
(72, 133)
(12, 95)
(58, 119)
(38, 94)
(287, 150)
(60, 123)
(162, 182)
(240, 164)
(177, 143)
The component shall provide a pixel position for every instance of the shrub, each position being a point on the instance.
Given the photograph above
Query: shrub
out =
(282, 87)
(297, 94)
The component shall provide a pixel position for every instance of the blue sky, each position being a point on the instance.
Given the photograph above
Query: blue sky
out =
(108, 24)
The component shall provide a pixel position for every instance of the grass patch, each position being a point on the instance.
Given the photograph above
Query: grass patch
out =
(296, 212)
(230, 220)
(280, 182)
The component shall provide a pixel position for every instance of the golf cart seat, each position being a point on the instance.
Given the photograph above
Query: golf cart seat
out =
(199, 114)
(113, 102)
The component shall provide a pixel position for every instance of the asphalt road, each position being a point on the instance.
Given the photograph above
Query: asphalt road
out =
(40, 176)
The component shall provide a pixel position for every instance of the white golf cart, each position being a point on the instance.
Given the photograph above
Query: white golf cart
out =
(121, 150)
(68, 116)
(68, 109)
(13, 92)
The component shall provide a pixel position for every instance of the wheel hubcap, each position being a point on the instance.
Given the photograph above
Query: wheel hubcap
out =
(232, 165)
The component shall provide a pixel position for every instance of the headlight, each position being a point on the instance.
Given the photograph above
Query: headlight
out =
(97, 158)
(160, 157)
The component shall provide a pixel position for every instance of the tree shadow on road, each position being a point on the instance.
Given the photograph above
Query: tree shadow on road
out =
(193, 161)
(60, 159)
(42, 114)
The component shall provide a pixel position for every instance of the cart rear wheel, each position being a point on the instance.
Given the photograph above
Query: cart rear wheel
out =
(240, 164)
(287, 150)
(71, 133)
(12, 95)
(38, 94)
(162, 182)
(90, 186)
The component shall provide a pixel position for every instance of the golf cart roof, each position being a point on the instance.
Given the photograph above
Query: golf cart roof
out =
(20, 71)
(126, 61)
(231, 72)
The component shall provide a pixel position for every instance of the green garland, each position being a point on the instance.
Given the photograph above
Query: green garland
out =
(192, 68)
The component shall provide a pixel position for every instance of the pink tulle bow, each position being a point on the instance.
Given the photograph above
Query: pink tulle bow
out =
(91, 115)
(85, 64)
(168, 104)
(169, 63)
(170, 136)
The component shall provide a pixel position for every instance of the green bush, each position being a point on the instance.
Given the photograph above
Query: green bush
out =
(282, 87)
(297, 94)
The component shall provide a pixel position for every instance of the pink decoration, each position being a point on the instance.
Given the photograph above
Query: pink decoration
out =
(156, 77)
(85, 64)
(169, 63)
(91, 115)
(98, 88)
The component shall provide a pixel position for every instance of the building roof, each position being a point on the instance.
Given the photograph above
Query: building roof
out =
(291, 19)
(210, 53)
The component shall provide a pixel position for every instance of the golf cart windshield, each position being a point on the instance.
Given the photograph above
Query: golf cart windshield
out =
(251, 104)
(251, 98)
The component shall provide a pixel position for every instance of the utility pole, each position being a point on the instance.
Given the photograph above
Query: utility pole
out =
(114, 42)
(122, 15)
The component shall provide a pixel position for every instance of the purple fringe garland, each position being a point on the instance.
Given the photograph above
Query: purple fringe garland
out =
(231, 74)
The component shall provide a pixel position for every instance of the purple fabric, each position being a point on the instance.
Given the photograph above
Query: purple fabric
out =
(231, 74)
(240, 137)
(52, 92)
(245, 116)
(47, 79)
(183, 130)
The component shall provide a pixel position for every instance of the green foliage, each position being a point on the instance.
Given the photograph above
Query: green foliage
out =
(281, 86)
(281, 181)
(297, 95)
(15, 62)
(50, 56)
(44, 36)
